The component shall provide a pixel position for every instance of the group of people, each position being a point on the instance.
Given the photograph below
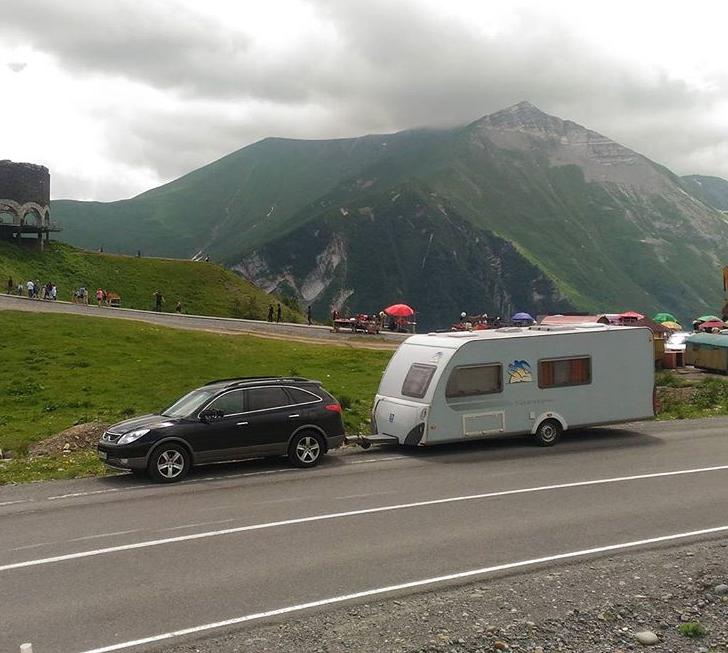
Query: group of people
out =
(279, 313)
(33, 289)
(476, 322)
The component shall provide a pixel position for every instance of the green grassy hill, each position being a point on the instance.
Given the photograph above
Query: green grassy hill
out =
(203, 288)
(234, 204)
(61, 370)
(711, 190)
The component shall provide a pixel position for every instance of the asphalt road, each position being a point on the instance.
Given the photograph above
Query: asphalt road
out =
(120, 564)
(285, 330)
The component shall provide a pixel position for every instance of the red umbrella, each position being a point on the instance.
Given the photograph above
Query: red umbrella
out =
(632, 314)
(399, 310)
(710, 324)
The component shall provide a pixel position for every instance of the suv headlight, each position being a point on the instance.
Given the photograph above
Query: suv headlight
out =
(132, 436)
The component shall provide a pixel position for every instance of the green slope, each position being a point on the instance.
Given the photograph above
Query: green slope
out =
(60, 370)
(234, 204)
(404, 245)
(711, 190)
(203, 288)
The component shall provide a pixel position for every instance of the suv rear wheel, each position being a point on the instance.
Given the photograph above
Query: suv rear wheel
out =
(306, 449)
(169, 463)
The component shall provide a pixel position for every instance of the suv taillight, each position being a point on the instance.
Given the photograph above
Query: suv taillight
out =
(335, 408)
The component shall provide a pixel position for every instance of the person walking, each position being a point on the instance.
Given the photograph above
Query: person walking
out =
(270, 313)
(278, 315)
(11, 285)
(308, 315)
(158, 301)
(178, 308)
(31, 288)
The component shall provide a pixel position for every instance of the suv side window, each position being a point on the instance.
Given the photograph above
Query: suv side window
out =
(231, 403)
(264, 398)
(300, 396)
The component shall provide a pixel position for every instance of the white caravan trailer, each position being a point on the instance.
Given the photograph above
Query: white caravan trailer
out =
(445, 387)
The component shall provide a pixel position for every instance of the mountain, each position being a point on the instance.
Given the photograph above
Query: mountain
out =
(711, 190)
(516, 211)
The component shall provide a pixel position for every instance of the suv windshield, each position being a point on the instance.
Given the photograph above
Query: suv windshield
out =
(190, 403)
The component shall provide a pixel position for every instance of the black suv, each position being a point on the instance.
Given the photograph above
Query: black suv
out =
(229, 419)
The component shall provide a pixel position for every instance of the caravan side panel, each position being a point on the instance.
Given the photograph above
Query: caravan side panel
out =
(581, 377)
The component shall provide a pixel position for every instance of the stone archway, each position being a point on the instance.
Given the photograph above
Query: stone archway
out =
(32, 217)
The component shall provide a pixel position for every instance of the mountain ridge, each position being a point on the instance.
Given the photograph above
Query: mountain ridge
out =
(605, 226)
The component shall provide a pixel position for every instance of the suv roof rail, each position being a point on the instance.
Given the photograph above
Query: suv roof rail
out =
(247, 379)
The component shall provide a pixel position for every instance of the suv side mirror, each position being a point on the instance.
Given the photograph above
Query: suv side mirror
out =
(211, 415)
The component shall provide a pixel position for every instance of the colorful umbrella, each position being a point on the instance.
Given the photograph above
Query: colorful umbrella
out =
(632, 314)
(522, 317)
(709, 318)
(674, 326)
(664, 317)
(712, 324)
(399, 310)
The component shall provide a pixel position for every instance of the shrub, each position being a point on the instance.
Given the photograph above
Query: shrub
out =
(670, 380)
(692, 629)
(709, 393)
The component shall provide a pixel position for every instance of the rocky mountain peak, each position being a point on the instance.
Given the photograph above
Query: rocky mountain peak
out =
(526, 117)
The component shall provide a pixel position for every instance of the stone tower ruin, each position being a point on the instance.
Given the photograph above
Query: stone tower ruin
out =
(25, 196)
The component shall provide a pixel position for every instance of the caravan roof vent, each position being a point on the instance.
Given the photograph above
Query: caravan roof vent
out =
(551, 327)
(462, 334)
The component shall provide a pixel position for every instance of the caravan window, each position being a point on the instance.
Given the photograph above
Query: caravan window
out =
(417, 380)
(474, 380)
(559, 372)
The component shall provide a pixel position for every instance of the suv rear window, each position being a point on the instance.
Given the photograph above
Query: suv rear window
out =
(418, 380)
(300, 396)
(263, 398)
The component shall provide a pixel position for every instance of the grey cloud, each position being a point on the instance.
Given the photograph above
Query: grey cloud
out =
(391, 65)
(17, 66)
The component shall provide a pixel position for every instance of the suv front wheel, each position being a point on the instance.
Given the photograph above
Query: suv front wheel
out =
(306, 449)
(169, 463)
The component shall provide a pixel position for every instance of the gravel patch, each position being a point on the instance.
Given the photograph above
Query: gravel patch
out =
(650, 600)
(82, 437)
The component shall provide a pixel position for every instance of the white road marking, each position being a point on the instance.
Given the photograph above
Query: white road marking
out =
(375, 460)
(362, 496)
(11, 503)
(32, 546)
(350, 513)
(93, 537)
(83, 494)
(405, 586)
(204, 523)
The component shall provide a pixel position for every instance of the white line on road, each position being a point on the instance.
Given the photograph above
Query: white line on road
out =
(11, 503)
(350, 513)
(203, 523)
(375, 460)
(405, 586)
(93, 537)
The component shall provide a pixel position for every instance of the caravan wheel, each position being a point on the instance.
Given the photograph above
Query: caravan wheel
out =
(548, 432)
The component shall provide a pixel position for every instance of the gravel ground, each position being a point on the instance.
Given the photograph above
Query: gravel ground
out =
(598, 605)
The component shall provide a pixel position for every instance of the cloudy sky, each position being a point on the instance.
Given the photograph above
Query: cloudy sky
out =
(118, 96)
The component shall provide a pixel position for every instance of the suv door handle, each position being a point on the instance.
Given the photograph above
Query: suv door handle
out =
(242, 424)
(293, 416)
